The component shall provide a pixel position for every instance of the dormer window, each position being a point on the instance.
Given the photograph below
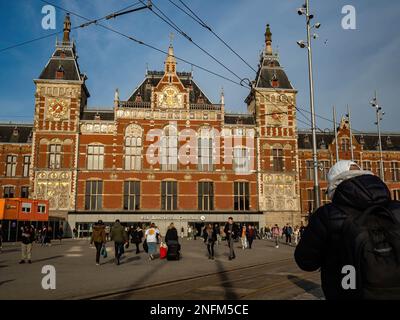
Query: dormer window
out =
(322, 144)
(138, 97)
(389, 142)
(60, 72)
(97, 116)
(362, 141)
(274, 81)
(306, 139)
(15, 132)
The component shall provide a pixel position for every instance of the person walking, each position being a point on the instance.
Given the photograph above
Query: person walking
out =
(210, 237)
(182, 232)
(275, 235)
(359, 228)
(288, 234)
(231, 231)
(243, 237)
(251, 235)
(302, 228)
(296, 233)
(152, 236)
(172, 241)
(1, 238)
(136, 238)
(120, 237)
(74, 233)
(189, 233)
(28, 236)
(98, 238)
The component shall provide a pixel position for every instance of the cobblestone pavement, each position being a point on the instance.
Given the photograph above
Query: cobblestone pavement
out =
(262, 272)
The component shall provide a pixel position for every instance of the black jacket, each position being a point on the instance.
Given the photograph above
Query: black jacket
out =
(235, 230)
(213, 235)
(321, 245)
(172, 234)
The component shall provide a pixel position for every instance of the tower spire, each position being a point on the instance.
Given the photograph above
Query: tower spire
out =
(67, 28)
(170, 62)
(268, 40)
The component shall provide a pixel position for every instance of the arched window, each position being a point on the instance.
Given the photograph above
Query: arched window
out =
(133, 147)
(169, 148)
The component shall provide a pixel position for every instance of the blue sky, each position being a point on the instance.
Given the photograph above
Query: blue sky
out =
(348, 67)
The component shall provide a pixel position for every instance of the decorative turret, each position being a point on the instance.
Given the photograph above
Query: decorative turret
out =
(268, 41)
(67, 29)
(170, 61)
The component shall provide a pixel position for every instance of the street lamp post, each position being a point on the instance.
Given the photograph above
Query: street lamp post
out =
(379, 114)
(305, 10)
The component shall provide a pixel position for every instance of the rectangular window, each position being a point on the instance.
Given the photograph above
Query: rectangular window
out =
(367, 165)
(26, 207)
(133, 153)
(94, 193)
(395, 168)
(131, 195)
(205, 196)
(11, 166)
(241, 160)
(41, 208)
(310, 200)
(325, 166)
(95, 157)
(345, 145)
(277, 155)
(24, 192)
(205, 154)
(55, 156)
(396, 194)
(27, 162)
(324, 197)
(241, 196)
(8, 192)
(169, 195)
(309, 170)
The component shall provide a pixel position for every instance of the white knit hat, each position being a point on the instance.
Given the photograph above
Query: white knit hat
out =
(341, 172)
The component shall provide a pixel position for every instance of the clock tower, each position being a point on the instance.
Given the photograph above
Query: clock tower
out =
(170, 93)
(60, 96)
(272, 100)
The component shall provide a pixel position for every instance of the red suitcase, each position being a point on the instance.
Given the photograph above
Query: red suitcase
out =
(163, 252)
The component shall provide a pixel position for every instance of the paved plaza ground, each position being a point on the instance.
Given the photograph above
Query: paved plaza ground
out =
(263, 272)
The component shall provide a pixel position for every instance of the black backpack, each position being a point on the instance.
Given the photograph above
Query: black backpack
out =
(372, 242)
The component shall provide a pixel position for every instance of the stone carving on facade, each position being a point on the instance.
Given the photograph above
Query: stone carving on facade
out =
(98, 127)
(279, 192)
(54, 186)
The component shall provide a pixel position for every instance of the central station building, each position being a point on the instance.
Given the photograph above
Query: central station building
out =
(165, 154)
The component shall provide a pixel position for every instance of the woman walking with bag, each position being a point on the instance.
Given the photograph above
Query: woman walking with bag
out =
(98, 238)
(210, 237)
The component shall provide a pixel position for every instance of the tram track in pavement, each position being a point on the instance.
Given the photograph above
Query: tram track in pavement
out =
(281, 284)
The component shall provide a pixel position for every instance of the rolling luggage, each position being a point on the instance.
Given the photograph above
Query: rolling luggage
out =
(163, 250)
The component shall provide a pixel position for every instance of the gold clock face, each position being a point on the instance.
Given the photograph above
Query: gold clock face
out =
(170, 98)
(57, 109)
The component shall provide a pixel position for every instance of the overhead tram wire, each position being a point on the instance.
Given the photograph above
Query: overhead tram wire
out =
(185, 35)
(168, 21)
(141, 42)
(202, 23)
(59, 32)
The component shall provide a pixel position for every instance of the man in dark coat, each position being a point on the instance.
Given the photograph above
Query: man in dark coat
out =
(137, 237)
(322, 244)
(231, 231)
(120, 237)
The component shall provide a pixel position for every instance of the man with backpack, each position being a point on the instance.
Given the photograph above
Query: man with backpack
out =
(355, 240)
